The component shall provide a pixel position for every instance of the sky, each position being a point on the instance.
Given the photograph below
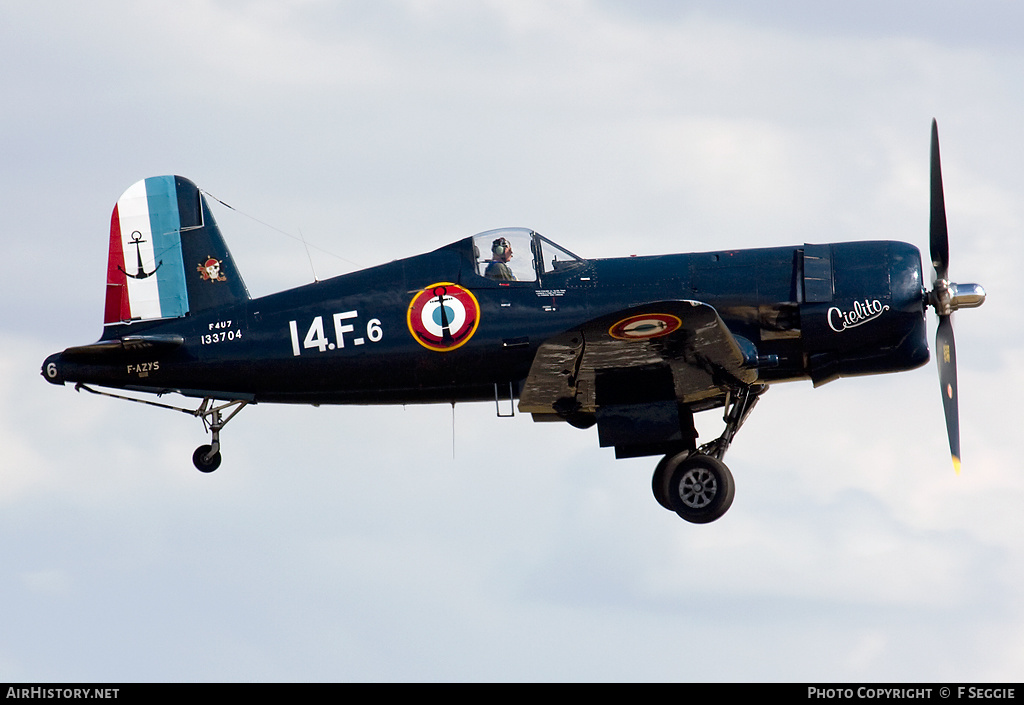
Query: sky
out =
(423, 543)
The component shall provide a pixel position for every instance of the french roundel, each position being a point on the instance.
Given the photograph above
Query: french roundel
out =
(645, 326)
(443, 316)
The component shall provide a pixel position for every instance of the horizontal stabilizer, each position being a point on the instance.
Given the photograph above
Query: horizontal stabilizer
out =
(129, 343)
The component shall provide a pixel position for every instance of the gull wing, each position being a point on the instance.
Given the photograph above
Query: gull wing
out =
(677, 349)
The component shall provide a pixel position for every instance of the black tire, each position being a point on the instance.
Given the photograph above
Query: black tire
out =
(701, 488)
(204, 464)
(662, 475)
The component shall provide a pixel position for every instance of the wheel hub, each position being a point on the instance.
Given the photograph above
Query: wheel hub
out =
(698, 488)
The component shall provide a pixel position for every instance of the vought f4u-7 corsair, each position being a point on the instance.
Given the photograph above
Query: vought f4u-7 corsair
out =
(635, 346)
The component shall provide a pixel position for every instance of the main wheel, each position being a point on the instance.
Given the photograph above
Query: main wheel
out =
(701, 488)
(205, 462)
(662, 475)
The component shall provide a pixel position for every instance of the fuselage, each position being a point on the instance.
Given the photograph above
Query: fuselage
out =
(802, 312)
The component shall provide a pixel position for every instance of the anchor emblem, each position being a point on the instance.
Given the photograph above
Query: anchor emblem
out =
(140, 270)
(446, 324)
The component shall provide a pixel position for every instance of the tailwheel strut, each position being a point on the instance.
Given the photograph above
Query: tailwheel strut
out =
(215, 415)
(207, 458)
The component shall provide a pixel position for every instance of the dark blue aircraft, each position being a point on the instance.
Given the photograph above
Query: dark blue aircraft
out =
(635, 346)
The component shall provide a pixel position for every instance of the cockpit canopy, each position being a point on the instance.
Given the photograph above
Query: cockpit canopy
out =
(519, 254)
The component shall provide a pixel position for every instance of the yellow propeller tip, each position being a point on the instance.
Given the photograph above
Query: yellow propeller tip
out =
(956, 464)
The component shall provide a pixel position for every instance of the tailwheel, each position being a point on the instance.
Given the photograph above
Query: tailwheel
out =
(700, 488)
(205, 459)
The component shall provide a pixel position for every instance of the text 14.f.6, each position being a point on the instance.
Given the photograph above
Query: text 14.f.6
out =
(344, 333)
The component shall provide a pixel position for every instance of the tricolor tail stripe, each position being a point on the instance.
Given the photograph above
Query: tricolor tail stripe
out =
(145, 267)
(165, 222)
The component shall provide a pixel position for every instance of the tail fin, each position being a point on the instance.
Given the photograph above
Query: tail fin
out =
(167, 257)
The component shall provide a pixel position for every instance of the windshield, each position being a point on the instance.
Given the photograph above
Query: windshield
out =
(555, 258)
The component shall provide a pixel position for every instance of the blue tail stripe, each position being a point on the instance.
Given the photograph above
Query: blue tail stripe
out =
(165, 225)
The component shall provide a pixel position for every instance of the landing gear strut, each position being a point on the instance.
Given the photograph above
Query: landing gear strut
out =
(697, 485)
(207, 457)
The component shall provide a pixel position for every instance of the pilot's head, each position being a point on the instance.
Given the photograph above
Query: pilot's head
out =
(501, 250)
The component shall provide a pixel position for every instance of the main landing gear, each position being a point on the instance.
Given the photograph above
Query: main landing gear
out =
(697, 485)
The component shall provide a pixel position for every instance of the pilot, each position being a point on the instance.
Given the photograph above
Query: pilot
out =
(501, 253)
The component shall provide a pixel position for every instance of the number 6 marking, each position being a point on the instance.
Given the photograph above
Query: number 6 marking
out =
(373, 330)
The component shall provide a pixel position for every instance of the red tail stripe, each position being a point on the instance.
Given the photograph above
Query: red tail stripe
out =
(116, 308)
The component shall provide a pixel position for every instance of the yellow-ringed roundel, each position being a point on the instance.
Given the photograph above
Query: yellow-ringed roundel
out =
(443, 316)
(645, 326)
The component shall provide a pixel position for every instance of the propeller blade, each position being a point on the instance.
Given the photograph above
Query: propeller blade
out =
(939, 235)
(945, 353)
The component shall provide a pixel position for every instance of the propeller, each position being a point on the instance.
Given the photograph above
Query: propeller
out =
(946, 297)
